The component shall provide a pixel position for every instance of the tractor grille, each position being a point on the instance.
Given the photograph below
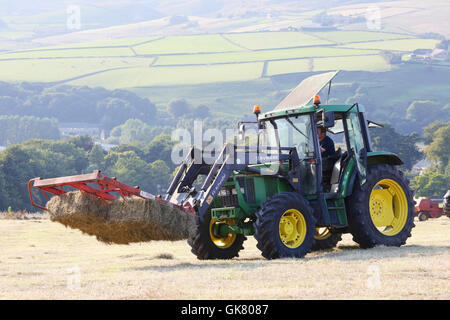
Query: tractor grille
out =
(228, 195)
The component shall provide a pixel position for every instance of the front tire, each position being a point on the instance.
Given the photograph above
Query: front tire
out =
(381, 212)
(285, 226)
(205, 245)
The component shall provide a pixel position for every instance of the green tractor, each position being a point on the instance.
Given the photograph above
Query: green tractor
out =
(281, 190)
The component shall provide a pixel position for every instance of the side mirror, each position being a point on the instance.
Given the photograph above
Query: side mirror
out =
(328, 119)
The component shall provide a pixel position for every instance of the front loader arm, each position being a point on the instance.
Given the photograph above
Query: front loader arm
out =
(231, 158)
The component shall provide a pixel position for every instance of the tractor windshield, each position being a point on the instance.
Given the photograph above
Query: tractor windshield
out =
(294, 131)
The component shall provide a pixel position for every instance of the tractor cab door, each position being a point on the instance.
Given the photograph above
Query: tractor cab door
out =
(356, 143)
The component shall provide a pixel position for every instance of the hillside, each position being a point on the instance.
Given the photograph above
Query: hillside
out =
(196, 59)
(46, 23)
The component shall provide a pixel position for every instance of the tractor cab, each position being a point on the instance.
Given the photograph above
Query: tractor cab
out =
(295, 123)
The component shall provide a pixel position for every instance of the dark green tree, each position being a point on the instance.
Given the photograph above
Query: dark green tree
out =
(96, 158)
(387, 139)
(439, 149)
(160, 148)
(434, 182)
(431, 183)
(179, 108)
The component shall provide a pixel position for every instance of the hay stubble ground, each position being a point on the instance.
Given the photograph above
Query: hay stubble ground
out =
(40, 259)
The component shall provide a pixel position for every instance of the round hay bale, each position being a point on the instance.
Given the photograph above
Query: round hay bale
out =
(121, 221)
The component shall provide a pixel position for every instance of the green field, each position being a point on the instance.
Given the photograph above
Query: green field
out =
(396, 45)
(124, 42)
(358, 36)
(264, 40)
(187, 44)
(204, 58)
(367, 63)
(160, 76)
(288, 66)
(62, 69)
(265, 55)
(69, 53)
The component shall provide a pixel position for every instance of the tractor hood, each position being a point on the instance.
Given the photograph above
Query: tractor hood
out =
(304, 93)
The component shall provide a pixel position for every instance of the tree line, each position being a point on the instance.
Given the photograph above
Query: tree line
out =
(107, 108)
(145, 165)
(16, 129)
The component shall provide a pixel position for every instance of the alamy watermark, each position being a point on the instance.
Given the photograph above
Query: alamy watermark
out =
(373, 18)
(73, 278)
(216, 146)
(373, 281)
(73, 17)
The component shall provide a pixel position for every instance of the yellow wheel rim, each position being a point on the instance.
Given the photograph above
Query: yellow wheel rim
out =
(388, 207)
(225, 242)
(322, 233)
(292, 228)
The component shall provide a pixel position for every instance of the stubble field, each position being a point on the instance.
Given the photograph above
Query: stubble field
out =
(40, 259)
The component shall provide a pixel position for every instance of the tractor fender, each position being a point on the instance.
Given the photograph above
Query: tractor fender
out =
(383, 157)
(372, 158)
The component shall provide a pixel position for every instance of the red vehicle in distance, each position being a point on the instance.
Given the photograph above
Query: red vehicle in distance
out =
(429, 208)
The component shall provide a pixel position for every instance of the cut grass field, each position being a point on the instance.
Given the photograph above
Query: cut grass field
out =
(40, 259)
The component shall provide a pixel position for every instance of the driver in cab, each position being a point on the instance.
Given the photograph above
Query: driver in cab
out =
(326, 143)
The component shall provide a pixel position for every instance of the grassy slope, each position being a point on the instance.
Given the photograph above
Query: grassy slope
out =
(36, 259)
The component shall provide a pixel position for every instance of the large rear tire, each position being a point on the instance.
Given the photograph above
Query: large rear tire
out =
(205, 245)
(285, 226)
(381, 212)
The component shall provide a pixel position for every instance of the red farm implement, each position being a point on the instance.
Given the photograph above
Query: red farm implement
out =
(95, 183)
(427, 208)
